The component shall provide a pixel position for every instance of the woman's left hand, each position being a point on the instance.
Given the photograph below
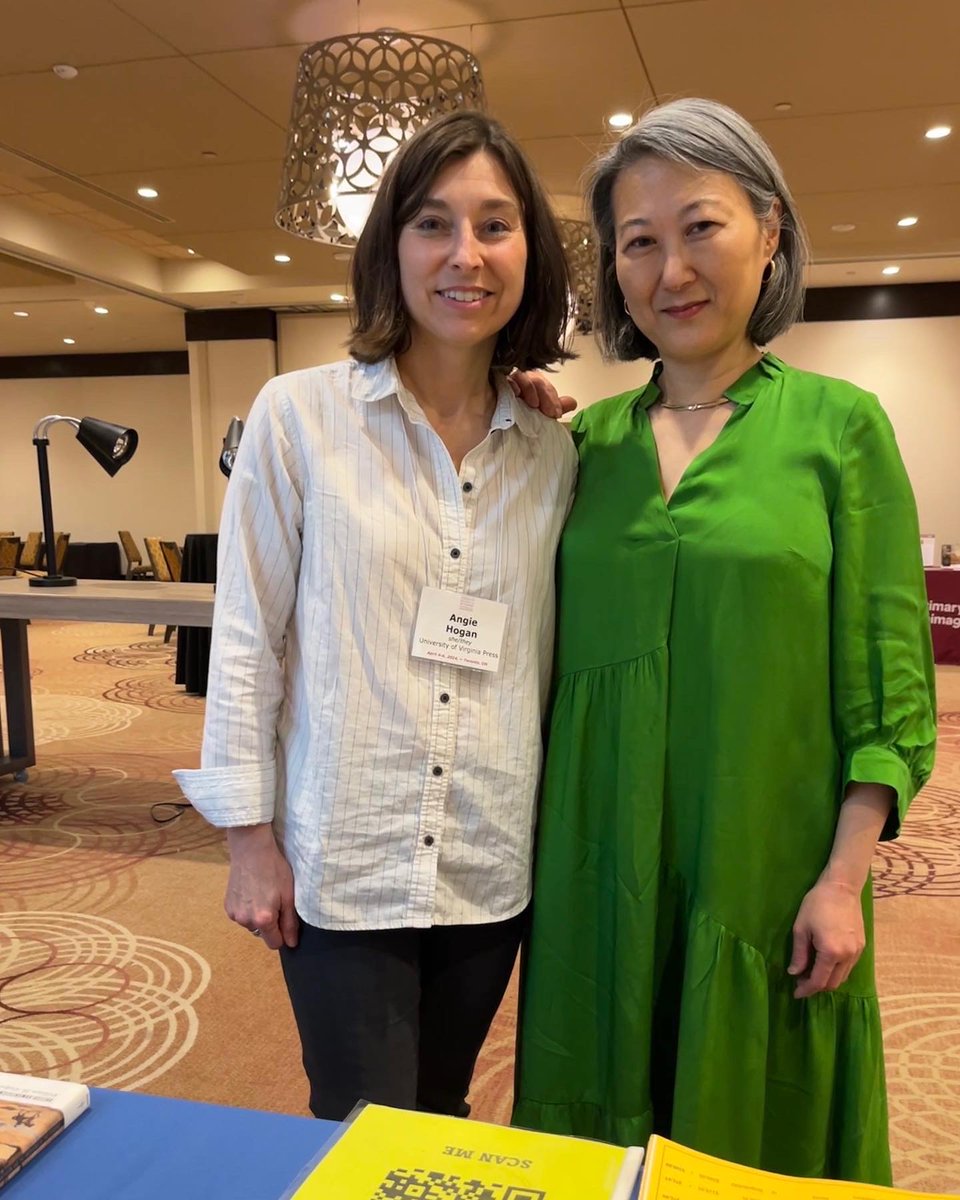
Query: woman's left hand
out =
(828, 937)
(539, 393)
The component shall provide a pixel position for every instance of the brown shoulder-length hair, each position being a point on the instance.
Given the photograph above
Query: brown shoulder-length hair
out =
(534, 335)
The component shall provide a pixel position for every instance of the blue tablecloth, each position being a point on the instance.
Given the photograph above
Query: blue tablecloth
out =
(134, 1147)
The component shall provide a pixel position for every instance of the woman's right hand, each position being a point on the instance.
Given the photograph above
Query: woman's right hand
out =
(260, 887)
(537, 392)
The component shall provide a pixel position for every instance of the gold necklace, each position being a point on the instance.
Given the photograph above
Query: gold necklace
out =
(694, 407)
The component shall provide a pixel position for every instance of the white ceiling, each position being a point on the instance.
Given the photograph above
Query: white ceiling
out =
(192, 98)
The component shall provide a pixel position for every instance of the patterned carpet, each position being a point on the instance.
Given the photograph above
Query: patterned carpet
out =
(118, 967)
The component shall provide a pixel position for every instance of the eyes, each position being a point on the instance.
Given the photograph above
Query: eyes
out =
(490, 229)
(698, 229)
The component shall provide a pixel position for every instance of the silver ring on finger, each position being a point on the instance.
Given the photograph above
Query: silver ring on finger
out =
(255, 932)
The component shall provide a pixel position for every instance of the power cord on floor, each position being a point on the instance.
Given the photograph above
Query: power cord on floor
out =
(178, 807)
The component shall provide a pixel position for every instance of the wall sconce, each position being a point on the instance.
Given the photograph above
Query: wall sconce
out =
(111, 445)
(231, 443)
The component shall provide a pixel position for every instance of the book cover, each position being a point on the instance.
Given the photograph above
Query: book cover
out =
(32, 1112)
(674, 1172)
(389, 1154)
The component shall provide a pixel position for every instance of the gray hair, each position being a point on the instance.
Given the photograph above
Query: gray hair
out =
(709, 136)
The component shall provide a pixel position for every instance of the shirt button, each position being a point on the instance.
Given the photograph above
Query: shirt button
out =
(428, 840)
(438, 770)
(454, 553)
(468, 487)
(444, 697)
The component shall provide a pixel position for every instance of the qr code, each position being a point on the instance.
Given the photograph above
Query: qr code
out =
(434, 1185)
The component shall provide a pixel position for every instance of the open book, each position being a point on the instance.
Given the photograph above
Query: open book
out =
(672, 1172)
(383, 1153)
(32, 1112)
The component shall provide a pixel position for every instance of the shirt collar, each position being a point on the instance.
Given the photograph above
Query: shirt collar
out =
(381, 381)
(742, 391)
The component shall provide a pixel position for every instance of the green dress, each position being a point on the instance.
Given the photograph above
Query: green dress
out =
(726, 664)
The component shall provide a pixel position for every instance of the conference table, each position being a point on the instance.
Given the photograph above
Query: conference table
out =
(125, 601)
(128, 1146)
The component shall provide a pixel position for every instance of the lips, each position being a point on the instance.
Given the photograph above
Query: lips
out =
(685, 310)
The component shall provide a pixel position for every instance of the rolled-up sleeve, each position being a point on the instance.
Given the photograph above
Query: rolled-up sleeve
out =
(883, 676)
(258, 566)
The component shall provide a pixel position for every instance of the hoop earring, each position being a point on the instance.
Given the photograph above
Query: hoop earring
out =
(769, 271)
(626, 308)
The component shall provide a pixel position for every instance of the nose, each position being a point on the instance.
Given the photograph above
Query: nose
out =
(465, 248)
(677, 270)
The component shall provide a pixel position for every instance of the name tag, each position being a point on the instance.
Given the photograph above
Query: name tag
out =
(464, 631)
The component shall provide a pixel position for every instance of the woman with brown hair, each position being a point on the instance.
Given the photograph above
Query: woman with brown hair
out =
(383, 632)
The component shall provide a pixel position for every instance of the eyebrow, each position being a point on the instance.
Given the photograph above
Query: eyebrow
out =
(492, 205)
(685, 211)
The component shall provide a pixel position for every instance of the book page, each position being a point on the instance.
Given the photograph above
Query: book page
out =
(674, 1172)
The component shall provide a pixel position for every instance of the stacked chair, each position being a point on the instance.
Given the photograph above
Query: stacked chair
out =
(136, 568)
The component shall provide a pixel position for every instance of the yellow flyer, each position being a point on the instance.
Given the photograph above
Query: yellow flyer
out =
(386, 1154)
(674, 1172)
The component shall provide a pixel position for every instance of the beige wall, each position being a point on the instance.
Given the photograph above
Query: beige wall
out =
(225, 377)
(152, 495)
(914, 367)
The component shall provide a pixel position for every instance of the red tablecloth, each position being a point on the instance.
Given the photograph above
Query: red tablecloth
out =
(943, 596)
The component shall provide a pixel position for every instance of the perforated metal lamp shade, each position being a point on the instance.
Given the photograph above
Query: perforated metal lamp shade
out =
(580, 246)
(111, 445)
(356, 100)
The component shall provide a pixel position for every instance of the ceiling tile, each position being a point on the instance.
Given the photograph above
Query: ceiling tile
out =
(135, 116)
(38, 34)
(203, 26)
(592, 69)
(818, 55)
(852, 152)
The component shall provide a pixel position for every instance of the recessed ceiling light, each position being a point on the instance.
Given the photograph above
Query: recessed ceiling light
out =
(282, 258)
(190, 250)
(891, 270)
(343, 256)
(65, 71)
(69, 341)
(783, 106)
(208, 154)
(906, 222)
(148, 193)
(620, 120)
(19, 312)
(101, 311)
(337, 297)
(843, 227)
(935, 132)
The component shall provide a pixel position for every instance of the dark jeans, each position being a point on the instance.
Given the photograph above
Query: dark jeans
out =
(397, 1016)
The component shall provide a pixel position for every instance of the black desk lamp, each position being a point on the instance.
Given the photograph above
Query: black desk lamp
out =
(231, 443)
(111, 445)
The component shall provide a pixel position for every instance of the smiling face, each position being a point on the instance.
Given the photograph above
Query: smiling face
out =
(463, 257)
(690, 256)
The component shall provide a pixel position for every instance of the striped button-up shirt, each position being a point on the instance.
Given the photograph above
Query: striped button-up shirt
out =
(402, 790)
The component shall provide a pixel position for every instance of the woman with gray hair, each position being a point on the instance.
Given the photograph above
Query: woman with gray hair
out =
(743, 696)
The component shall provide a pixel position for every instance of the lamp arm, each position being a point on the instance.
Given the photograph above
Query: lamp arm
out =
(43, 425)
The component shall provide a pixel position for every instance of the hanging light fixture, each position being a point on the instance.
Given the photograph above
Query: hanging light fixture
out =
(357, 99)
(578, 242)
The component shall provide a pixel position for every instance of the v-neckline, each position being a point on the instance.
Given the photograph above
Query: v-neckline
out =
(689, 468)
(741, 393)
